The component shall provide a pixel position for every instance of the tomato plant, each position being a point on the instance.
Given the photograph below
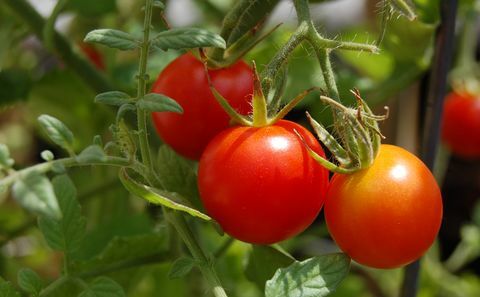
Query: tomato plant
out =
(260, 184)
(388, 215)
(185, 81)
(461, 124)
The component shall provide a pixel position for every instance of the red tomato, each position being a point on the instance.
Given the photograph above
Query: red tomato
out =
(461, 124)
(93, 55)
(260, 184)
(388, 215)
(185, 81)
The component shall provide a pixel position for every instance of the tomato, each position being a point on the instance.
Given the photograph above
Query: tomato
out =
(387, 215)
(461, 124)
(260, 184)
(93, 55)
(185, 81)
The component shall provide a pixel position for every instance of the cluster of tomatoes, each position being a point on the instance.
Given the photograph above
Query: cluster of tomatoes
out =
(262, 186)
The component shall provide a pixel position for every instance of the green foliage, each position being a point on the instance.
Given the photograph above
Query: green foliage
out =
(159, 197)
(5, 160)
(7, 290)
(35, 192)
(103, 287)
(181, 267)
(249, 17)
(64, 234)
(177, 174)
(29, 281)
(156, 102)
(263, 262)
(57, 131)
(115, 98)
(91, 154)
(112, 38)
(92, 8)
(183, 38)
(315, 277)
(15, 85)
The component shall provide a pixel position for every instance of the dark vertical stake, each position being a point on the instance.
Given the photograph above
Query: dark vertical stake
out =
(433, 111)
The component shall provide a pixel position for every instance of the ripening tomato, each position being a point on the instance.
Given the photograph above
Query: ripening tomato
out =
(93, 55)
(260, 183)
(185, 81)
(461, 124)
(387, 215)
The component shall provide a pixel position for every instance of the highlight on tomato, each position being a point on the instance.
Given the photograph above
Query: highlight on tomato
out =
(461, 124)
(260, 183)
(387, 215)
(185, 80)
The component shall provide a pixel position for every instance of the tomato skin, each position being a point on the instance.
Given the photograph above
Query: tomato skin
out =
(461, 124)
(185, 81)
(260, 184)
(388, 215)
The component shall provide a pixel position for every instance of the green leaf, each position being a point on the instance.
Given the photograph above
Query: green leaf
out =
(253, 14)
(47, 155)
(35, 192)
(178, 174)
(112, 38)
(123, 110)
(181, 267)
(103, 287)
(91, 154)
(263, 261)
(15, 85)
(64, 234)
(29, 281)
(183, 38)
(7, 290)
(125, 248)
(115, 98)
(57, 131)
(159, 103)
(314, 277)
(159, 197)
(5, 160)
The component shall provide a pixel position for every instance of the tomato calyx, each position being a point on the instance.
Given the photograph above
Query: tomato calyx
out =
(260, 115)
(358, 133)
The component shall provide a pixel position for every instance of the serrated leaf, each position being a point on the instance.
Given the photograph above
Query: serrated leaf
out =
(183, 38)
(64, 234)
(159, 197)
(159, 103)
(252, 13)
(29, 281)
(112, 38)
(5, 160)
(103, 287)
(57, 131)
(115, 98)
(91, 154)
(263, 262)
(7, 290)
(178, 174)
(181, 267)
(314, 277)
(35, 192)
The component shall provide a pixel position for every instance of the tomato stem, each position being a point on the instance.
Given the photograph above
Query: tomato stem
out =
(260, 116)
